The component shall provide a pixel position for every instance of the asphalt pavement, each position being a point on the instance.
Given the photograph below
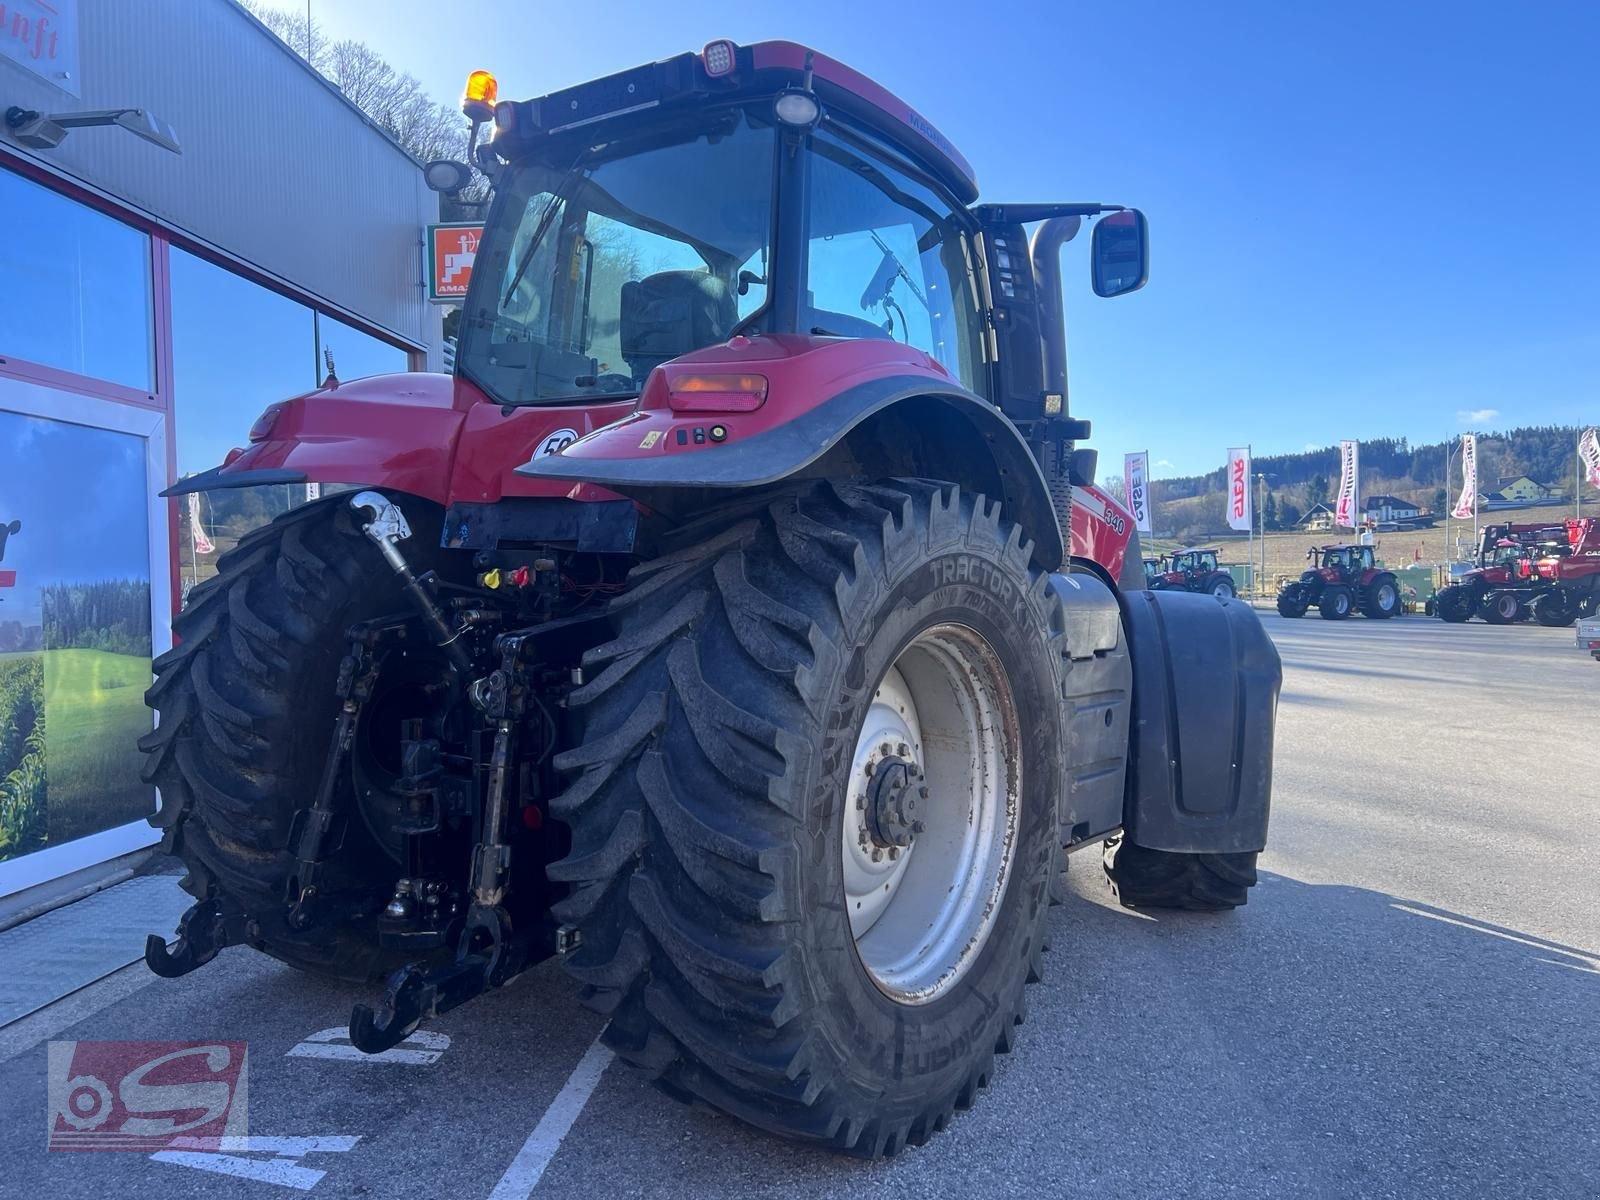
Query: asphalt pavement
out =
(1408, 1006)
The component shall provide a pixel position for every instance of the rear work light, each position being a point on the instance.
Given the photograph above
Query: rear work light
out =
(717, 58)
(717, 393)
(477, 102)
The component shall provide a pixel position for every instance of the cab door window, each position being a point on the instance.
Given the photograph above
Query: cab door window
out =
(886, 258)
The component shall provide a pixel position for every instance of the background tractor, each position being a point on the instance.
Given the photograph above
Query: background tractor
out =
(1344, 579)
(1549, 572)
(1192, 570)
(738, 623)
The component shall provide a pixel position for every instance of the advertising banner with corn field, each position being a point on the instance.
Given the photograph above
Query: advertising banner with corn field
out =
(75, 632)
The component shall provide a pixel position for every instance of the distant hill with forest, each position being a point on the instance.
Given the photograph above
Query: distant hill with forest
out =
(1193, 505)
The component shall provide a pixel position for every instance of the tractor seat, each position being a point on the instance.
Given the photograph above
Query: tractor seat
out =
(671, 313)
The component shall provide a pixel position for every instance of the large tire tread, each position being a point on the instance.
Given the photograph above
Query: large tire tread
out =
(230, 751)
(685, 860)
(1144, 878)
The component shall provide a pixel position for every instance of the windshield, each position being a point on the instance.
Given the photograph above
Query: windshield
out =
(597, 269)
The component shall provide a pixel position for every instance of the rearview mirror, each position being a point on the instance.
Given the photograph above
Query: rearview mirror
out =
(1119, 255)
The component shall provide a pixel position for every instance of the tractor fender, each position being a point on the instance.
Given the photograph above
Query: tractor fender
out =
(423, 434)
(1205, 698)
(910, 424)
(1096, 698)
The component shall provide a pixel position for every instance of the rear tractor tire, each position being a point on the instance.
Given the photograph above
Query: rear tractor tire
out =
(1382, 599)
(1144, 878)
(1221, 586)
(1502, 608)
(813, 810)
(247, 704)
(1338, 601)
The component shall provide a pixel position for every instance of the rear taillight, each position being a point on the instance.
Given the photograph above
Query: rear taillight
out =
(716, 393)
(718, 58)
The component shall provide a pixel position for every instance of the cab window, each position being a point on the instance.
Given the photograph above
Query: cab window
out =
(886, 258)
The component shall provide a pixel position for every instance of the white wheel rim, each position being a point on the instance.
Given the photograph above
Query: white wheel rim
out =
(920, 915)
(1385, 596)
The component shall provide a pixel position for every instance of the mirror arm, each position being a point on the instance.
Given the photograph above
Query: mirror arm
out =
(1027, 214)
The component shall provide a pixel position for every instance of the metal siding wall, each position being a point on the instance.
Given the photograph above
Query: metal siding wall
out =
(277, 169)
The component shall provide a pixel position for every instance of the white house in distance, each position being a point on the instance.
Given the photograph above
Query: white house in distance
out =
(1318, 519)
(1384, 509)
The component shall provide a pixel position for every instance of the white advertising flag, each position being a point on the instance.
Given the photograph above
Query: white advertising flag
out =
(1589, 452)
(1239, 514)
(1136, 475)
(1347, 510)
(1468, 502)
(197, 532)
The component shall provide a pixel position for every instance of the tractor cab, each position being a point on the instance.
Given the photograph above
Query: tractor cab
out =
(1340, 563)
(751, 206)
(1154, 568)
(1194, 562)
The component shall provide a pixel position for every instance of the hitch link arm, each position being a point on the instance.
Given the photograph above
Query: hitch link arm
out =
(316, 826)
(387, 528)
(489, 951)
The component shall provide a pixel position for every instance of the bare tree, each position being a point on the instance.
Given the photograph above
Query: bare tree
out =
(1116, 487)
(392, 100)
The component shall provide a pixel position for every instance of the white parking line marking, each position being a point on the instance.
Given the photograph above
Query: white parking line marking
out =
(283, 1168)
(1475, 928)
(419, 1050)
(525, 1171)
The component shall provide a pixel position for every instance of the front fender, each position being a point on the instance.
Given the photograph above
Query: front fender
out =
(394, 431)
(423, 434)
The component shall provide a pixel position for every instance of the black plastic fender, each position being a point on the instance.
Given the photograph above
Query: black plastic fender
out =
(1205, 699)
(1096, 696)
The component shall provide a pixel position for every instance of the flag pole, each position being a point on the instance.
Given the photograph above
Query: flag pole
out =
(1577, 478)
(1254, 592)
(1449, 486)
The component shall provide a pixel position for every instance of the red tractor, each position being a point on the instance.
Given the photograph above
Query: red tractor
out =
(738, 623)
(1192, 570)
(1344, 579)
(1548, 572)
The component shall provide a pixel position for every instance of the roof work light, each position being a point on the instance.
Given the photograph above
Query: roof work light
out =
(477, 102)
(718, 58)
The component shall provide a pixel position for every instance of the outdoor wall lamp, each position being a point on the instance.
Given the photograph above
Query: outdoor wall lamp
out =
(46, 131)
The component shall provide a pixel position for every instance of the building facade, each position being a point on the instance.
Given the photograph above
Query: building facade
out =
(152, 303)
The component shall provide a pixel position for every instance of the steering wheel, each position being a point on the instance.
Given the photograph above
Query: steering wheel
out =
(615, 383)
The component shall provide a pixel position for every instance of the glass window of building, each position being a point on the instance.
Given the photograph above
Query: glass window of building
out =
(236, 348)
(355, 354)
(75, 289)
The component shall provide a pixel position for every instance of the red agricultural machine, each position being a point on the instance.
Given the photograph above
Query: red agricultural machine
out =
(1344, 579)
(1550, 572)
(738, 623)
(1192, 570)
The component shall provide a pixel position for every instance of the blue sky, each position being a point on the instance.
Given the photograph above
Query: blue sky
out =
(1367, 219)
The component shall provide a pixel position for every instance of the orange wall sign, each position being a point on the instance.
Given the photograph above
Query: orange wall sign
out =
(451, 251)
